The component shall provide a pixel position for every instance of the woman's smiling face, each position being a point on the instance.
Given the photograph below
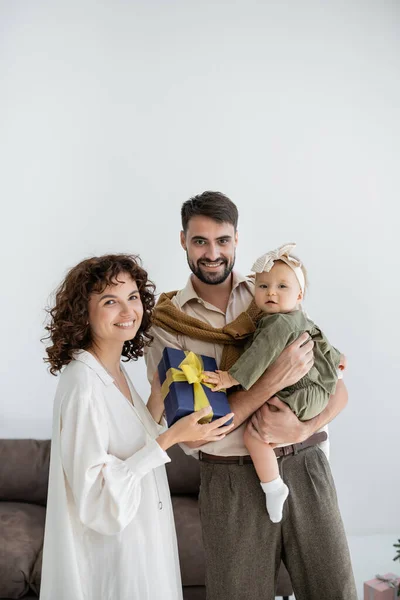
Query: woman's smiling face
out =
(116, 313)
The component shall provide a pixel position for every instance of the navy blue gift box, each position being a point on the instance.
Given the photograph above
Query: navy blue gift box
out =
(179, 401)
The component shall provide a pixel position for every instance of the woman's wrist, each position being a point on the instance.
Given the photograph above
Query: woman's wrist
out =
(166, 439)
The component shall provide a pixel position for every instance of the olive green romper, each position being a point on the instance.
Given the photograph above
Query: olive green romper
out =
(309, 396)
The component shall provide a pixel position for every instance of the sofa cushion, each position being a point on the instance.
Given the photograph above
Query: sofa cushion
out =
(21, 534)
(24, 470)
(183, 472)
(36, 573)
(190, 543)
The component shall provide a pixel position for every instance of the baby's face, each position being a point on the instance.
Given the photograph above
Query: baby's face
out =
(278, 291)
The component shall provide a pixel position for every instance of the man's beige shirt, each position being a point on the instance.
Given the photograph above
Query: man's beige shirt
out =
(191, 304)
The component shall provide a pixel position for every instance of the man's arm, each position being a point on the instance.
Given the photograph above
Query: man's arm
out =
(153, 353)
(290, 366)
(280, 425)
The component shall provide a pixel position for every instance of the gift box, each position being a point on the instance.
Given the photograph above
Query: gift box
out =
(182, 388)
(383, 587)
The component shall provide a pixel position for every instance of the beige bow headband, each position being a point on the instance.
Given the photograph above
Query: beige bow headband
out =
(266, 262)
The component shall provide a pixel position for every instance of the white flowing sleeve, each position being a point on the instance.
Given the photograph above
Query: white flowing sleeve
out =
(106, 490)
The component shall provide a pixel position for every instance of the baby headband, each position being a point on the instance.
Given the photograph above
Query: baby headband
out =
(266, 262)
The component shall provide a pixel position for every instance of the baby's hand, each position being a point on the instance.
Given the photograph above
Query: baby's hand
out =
(219, 379)
(342, 363)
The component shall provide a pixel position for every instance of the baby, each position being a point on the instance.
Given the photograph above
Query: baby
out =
(279, 289)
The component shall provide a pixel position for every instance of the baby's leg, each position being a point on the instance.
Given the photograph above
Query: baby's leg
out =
(266, 465)
(263, 456)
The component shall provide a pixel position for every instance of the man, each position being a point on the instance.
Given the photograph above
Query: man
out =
(243, 548)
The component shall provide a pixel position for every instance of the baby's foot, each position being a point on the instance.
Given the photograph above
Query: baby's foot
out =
(276, 492)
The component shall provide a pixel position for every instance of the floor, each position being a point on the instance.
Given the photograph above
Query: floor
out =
(371, 555)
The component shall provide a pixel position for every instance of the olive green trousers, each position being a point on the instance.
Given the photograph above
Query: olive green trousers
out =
(243, 548)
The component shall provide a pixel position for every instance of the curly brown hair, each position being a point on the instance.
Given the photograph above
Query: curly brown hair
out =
(68, 327)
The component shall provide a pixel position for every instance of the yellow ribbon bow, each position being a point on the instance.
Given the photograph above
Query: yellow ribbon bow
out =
(190, 370)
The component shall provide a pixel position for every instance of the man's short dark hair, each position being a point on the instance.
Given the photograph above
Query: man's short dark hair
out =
(213, 205)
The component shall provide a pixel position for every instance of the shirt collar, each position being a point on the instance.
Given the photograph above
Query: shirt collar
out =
(88, 359)
(247, 280)
(188, 292)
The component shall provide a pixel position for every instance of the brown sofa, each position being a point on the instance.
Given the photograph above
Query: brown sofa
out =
(24, 466)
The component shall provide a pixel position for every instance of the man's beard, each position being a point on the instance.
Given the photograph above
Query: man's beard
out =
(209, 277)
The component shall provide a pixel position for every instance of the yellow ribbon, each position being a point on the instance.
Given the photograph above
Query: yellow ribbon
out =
(190, 370)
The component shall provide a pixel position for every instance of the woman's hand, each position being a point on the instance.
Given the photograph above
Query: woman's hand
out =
(188, 429)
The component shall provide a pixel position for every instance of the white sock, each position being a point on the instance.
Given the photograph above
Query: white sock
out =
(276, 492)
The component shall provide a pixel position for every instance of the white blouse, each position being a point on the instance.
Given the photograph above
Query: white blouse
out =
(110, 531)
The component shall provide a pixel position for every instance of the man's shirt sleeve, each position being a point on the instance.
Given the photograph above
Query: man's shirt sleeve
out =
(153, 353)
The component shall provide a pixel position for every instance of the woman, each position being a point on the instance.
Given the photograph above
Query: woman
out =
(109, 526)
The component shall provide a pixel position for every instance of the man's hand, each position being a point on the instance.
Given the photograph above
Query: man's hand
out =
(276, 423)
(343, 363)
(254, 433)
(293, 363)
